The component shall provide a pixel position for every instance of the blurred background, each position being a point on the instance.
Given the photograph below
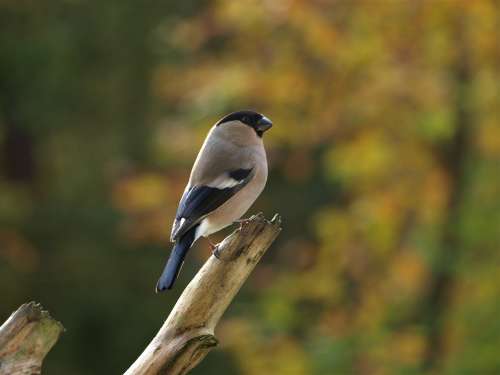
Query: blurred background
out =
(384, 163)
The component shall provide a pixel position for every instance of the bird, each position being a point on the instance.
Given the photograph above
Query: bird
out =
(228, 175)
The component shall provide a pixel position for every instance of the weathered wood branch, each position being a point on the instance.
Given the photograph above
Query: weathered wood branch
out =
(26, 338)
(187, 335)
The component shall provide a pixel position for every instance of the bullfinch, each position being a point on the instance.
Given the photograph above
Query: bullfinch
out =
(228, 175)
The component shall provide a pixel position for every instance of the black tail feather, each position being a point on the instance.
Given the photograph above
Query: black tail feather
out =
(175, 261)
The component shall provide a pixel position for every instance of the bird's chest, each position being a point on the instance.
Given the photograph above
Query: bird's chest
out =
(237, 205)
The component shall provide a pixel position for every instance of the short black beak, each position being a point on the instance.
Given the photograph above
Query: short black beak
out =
(264, 124)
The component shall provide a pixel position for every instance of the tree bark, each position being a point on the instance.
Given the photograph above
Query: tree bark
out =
(26, 338)
(187, 335)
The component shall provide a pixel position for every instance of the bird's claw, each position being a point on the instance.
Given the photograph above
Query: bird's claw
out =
(213, 247)
(242, 222)
(215, 251)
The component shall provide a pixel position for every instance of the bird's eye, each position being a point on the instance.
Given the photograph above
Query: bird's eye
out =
(245, 119)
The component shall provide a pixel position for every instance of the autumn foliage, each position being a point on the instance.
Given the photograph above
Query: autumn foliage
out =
(384, 164)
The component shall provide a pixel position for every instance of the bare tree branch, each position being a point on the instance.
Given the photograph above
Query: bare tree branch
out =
(187, 335)
(26, 338)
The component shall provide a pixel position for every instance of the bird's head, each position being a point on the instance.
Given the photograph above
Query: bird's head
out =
(255, 120)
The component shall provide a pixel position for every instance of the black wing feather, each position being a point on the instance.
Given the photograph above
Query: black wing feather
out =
(199, 201)
(202, 200)
(239, 174)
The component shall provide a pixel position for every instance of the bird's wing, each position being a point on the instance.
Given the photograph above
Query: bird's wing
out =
(199, 200)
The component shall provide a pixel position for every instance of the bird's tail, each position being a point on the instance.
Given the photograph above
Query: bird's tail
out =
(175, 261)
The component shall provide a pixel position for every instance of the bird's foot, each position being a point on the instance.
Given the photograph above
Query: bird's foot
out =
(214, 248)
(216, 252)
(211, 244)
(242, 221)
